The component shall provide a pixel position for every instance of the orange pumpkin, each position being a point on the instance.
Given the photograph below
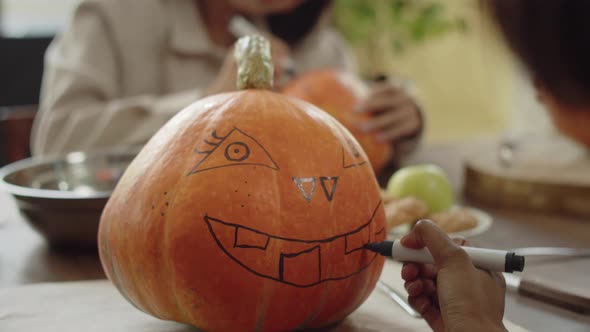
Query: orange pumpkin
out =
(247, 211)
(338, 93)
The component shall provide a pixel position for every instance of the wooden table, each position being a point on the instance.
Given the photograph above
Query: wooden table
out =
(66, 307)
(25, 258)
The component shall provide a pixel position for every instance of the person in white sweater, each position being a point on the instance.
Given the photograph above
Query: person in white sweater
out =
(124, 68)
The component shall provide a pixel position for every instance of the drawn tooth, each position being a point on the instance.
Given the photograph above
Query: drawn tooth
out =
(293, 265)
(245, 238)
(379, 233)
(357, 240)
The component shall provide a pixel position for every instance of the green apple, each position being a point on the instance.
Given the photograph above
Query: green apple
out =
(428, 183)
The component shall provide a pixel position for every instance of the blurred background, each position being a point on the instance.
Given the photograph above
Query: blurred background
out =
(515, 181)
(466, 81)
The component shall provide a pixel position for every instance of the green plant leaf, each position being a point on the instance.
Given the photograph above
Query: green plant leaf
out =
(412, 22)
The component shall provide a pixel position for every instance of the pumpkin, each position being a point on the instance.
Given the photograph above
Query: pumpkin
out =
(339, 93)
(247, 211)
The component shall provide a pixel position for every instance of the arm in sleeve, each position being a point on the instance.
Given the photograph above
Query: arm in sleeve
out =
(81, 108)
(325, 48)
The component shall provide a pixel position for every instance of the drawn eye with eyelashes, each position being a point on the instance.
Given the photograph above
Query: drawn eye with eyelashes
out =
(236, 148)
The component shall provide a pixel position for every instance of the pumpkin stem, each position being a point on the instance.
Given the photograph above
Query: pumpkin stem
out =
(255, 68)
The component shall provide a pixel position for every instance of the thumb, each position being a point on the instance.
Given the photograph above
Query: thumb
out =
(444, 251)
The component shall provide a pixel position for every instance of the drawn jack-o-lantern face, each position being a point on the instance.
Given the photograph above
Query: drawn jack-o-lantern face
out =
(258, 209)
(287, 245)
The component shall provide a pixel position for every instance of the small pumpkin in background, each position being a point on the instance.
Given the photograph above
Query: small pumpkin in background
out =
(246, 211)
(339, 93)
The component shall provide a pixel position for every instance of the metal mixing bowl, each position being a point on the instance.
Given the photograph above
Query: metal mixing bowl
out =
(63, 197)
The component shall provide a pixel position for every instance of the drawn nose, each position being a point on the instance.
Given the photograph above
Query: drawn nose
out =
(307, 186)
(329, 186)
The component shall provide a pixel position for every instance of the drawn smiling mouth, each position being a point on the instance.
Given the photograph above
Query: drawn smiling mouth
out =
(297, 262)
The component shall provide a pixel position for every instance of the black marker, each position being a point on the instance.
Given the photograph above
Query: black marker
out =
(485, 259)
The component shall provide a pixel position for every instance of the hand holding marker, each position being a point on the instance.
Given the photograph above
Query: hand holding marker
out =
(486, 259)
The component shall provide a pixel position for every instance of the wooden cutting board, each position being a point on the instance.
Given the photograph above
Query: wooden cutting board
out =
(97, 306)
(543, 172)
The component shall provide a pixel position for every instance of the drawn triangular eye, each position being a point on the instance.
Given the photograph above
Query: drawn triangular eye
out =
(234, 149)
(352, 154)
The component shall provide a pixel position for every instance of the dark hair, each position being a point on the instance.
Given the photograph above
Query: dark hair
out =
(293, 26)
(552, 38)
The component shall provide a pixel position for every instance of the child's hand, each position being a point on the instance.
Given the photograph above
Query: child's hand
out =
(396, 114)
(452, 295)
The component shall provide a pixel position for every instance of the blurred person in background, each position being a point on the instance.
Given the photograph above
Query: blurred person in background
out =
(551, 38)
(124, 68)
